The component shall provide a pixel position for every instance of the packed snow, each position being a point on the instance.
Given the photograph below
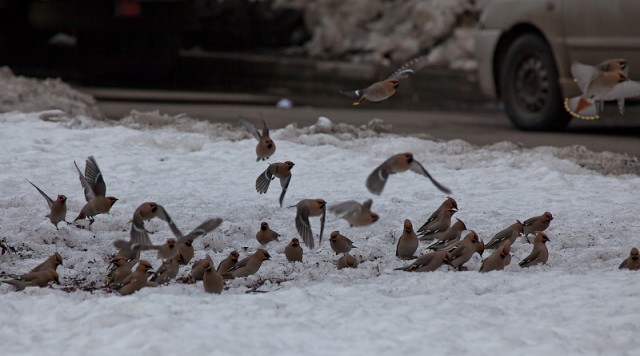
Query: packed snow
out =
(578, 303)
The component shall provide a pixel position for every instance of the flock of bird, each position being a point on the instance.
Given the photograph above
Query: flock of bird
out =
(447, 246)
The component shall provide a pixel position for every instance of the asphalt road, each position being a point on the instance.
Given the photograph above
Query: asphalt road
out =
(480, 127)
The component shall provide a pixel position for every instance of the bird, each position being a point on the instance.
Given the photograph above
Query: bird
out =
(441, 222)
(265, 147)
(355, 213)
(632, 262)
(408, 242)
(120, 272)
(280, 170)
(396, 164)
(304, 209)
(52, 262)
(537, 223)
(248, 265)
(94, 191)
(228, 262)
(185, 244)
(539, 254)
(428, 262)
(137, 280)
(608, 81)
(293, 251)
(386, 88)
(498, 260)
(347, 261)
(445, 239)
(145, 212)
(510, 233)
(211, 280)
(197, 270)
(447, 204)
(265, 234)
(462, 251)
(57, 208)
(167, 271)
(340, 243)
(34, 279)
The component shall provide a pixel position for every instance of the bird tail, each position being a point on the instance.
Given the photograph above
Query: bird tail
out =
(580, 108)
(20, 285)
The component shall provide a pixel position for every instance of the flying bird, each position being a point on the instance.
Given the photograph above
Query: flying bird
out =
(94, 191)
(265, 147)
(396, 164)
(304, 209)
(57, 208)
(280, 170)
(355, 213)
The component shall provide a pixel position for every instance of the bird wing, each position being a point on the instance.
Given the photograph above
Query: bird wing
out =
(322, 218)
(498, 238)
(378, 178)
(457, 250)
(49, 200)
(124, 245)
(264, 179)
(408, 68)
(88, 189)
(531, 258)
(623, 263)
(626, 89)
(207, 226)
(346, 208)
(353, 94)
(284, 183)
(94, 177)
(304, 227)
(418, 168)
(584, 75)
(243, 262)
(250, 128)
(265, 129)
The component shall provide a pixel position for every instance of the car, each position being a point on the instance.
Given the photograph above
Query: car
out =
(525, 49)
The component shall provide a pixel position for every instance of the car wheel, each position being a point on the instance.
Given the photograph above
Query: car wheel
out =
(529, 86)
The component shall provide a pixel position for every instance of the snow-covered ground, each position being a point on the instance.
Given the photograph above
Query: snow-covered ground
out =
(579, 303)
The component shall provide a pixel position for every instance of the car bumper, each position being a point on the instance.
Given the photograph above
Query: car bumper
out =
(486, 41)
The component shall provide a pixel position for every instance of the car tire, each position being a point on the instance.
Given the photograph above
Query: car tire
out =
(529, 86)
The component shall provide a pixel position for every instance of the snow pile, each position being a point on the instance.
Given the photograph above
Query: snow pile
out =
(29, 95)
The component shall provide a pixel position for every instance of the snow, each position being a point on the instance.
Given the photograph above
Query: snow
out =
(579, 303)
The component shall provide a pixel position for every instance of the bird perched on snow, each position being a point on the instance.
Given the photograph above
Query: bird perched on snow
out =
(137, 280)
(347, 261)
(94, 191)
(57, 208)
(197, 270)
(211, 280)
(280, 170)
(293, 251)
(265, 234)
(266, 147)
(304, 209)
(463, 250)
(248, 265)
(52, 262)
(396, 164)
(632, 262)
(34, 279)
(446, 238)
(510, 233)
(228, 262)
(340, 243)
(539, 254)
(498, 260)
(537, 223)
(434, 226)
(120, 272)
(428, 262)
(384, 89)
(608, 81)
(408, 242)
(355, 213)
(447, 204)
(167, 271)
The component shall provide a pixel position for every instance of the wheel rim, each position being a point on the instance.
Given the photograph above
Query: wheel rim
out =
(531, 84)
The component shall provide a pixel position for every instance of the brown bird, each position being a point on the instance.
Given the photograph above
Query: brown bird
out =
(120, 271)
(137, 280)
(340, 243)
(57, 208)
(498, 260)
(265, 234)
(355, 213)
(266, 147)
(408, 242)
(197, 270)
(211, 280)
(537, 223)
(632, 262)
(34, 279)
(397, 164)
(305, 209)
(52, 262)
(228, 262)
(539, 254)
(185, 244)
(347, 261)
(434, 226)
(145, 212)
(248, 265)
(511, 234)
(462, 251)
(94, 192)
(167, 271)
(293, 251)
(384, 89)
(428, 262)
(446, 238)
(447, 204)
(279, 170)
